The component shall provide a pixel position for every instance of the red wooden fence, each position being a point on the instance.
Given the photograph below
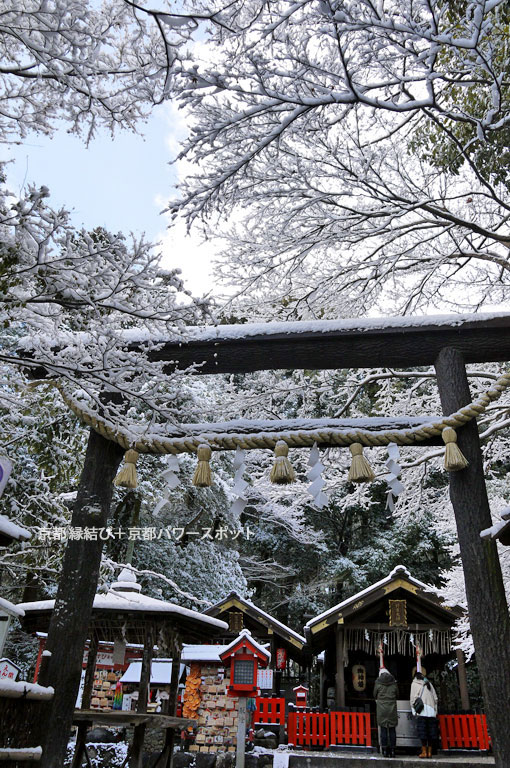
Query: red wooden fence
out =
(464, 731)
(309, 729)
(269, 710)
(351, 728)
(320, 729)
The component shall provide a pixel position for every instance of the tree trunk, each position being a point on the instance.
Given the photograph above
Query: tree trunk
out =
(70, 621)
(487, 604)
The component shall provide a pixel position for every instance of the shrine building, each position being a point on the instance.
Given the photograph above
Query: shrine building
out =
(290, 657)
(398, 615)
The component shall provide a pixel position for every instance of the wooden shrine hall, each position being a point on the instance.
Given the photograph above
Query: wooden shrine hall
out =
(285, 643)
(125, 615)
(401, 613)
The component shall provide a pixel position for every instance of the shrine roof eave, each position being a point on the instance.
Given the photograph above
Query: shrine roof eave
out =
(319, 629)
(138, 609)
(276, 627)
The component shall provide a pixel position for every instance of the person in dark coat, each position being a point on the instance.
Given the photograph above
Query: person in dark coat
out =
(385, 695)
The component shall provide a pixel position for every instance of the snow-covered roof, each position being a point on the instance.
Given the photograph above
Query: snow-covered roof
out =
(133, 601)
(12, 530)
(161, 672)
(17, 690)
(10, 608)
(247, 603)
(124, 596)
(246, 634)
(398, 571)
(211, 653)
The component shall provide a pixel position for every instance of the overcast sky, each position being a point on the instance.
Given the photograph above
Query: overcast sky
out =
(120, 184)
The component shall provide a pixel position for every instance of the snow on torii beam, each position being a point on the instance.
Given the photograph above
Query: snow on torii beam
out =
(326, 344)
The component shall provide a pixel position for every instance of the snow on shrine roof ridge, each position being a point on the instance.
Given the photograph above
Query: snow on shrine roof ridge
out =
(161, 672)
(201, 652)
(399, 570)
(132, 601)
(248, 635)
(268, 616)
(13, 530)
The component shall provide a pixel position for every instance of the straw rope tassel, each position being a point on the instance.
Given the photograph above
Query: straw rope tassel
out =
(360, 471)
(127, 475)
(454, 459)
(202, 476)
(282, 471)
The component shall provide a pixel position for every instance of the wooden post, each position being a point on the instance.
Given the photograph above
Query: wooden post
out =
(42, 645)
(463, 687)
(80, 748)
(277, 675)
(340, 672)
(241, 731)
(174, 682)
(70, 620)
(136, 755)
(487, 604)
(88, 683)
(172, 705)
(322, 692)
(145, 672)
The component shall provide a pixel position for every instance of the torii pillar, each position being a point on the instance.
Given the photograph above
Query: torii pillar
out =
(485, 591)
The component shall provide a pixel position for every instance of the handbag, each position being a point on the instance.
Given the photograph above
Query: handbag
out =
(418, 704)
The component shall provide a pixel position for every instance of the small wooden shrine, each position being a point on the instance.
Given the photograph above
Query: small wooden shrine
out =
(399, 615)
(285, 644)
(209, 696)
(124, 614)
(108, 672)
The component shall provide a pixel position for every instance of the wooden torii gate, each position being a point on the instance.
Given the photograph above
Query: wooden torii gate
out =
(445, 342)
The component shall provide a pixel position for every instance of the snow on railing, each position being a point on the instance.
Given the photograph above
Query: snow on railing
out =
(11, 689)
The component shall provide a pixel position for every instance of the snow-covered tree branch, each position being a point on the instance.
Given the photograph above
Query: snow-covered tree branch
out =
(359, 146)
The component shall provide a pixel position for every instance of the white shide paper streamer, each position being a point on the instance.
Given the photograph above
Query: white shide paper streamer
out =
(171, 481)
(314, 474)
(395, 487)
(240, 484)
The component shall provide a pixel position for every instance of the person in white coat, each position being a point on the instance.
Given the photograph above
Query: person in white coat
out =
(423, 702)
